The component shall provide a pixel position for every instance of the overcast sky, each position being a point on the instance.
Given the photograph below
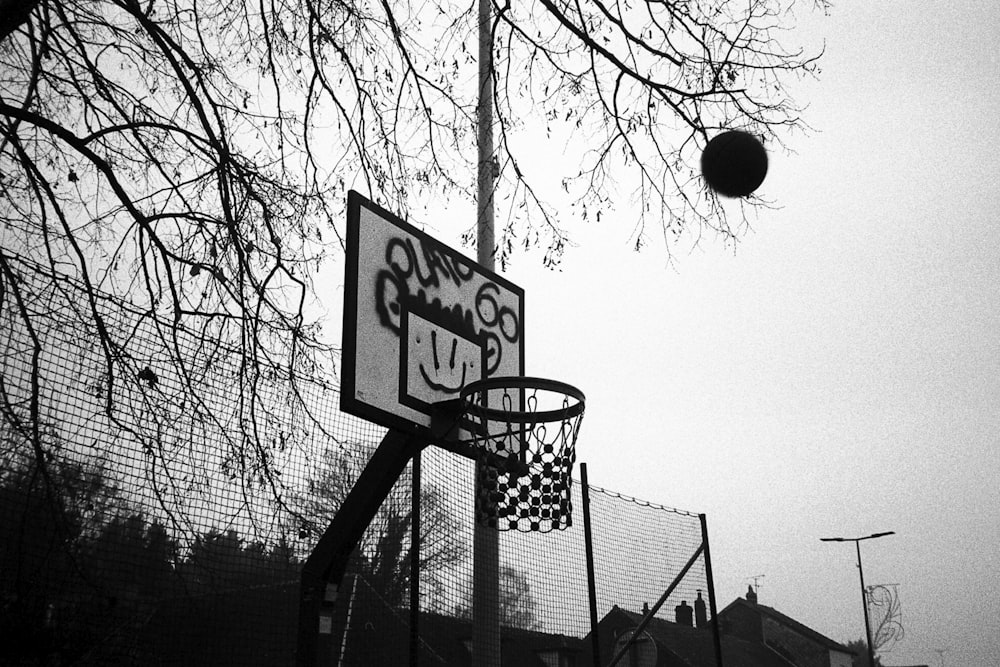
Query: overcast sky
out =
(839, 374)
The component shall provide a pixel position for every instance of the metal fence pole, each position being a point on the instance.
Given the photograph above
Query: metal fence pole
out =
(716, 639)
(415, 562)
(591, 581)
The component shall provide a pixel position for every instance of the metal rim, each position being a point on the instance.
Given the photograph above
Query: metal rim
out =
(574, 409)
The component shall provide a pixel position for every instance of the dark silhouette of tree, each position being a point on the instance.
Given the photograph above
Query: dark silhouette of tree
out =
(126, 570)
(517, 606)
(69, 574)
(383, 555)
(860, 649)
(44, 517)
(133, 561)
(187, 163)
(222, 562)
(233, 603)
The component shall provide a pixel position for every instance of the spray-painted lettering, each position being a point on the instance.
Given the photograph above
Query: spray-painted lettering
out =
(414, 275)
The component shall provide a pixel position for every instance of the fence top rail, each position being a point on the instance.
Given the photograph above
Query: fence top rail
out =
(638, 501)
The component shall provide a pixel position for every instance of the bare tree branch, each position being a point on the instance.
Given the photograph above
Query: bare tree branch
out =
(178, 170)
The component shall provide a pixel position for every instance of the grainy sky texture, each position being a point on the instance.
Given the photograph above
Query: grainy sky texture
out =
(839, 374)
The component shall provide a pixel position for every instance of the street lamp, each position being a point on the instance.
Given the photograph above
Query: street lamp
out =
(861, 573)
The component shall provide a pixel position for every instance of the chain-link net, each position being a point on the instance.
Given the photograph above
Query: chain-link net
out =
(156, 513)
(526, 460)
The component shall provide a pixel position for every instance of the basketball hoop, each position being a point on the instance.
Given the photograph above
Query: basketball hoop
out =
(523, 430)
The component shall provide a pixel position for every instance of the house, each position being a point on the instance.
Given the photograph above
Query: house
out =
(751, 635)
(802, 646)
(672, 644)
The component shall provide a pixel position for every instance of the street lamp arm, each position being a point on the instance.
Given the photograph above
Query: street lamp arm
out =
(857, 539)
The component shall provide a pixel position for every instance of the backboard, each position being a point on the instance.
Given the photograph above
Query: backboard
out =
(421, 321)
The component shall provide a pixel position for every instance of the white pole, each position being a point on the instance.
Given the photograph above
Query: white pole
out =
(485, 543)
(484, 128)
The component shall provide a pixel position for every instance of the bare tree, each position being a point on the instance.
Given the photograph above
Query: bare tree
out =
(641, 87)
(383, 554)
(190, 161)
(516, 604)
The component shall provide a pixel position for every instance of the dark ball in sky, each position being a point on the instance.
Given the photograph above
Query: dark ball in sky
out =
(734, 163)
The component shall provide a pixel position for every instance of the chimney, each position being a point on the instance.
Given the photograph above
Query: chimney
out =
(751, 595)
(683, 613)
(700, 612)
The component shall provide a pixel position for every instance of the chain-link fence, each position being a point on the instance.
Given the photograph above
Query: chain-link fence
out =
(158, 513)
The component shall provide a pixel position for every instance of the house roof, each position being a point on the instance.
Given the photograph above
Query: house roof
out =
(694, 647)
(445, 636)
(789, 622)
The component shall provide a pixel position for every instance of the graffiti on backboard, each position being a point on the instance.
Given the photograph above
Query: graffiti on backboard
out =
(424, 277)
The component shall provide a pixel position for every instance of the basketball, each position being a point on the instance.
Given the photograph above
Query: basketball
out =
(734, 163)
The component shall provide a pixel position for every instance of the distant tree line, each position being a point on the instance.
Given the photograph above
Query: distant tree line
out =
(82, 572)
(87, 577)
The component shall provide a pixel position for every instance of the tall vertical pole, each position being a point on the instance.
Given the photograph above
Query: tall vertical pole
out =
(710, 582)
(486, 540)
(484, 136)
(588, 540)
(864, 605)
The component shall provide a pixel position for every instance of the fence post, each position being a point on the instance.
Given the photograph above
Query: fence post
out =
(415, 563)
(591, 582)
(711, 591)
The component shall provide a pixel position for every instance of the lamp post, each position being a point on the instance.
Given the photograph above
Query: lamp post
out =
(861, 573)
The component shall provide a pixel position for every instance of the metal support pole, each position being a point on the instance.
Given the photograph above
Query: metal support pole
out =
(710, 582)
(486, 540)
(591, 580)
(484, 139)
(864, 605)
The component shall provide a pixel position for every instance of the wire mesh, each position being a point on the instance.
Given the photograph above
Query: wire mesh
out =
(151, 516)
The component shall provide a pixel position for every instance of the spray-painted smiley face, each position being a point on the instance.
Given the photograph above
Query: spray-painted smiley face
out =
(445, 374)
(439, 361)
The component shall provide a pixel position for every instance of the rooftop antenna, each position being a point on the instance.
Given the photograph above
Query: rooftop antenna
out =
(756, 582)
